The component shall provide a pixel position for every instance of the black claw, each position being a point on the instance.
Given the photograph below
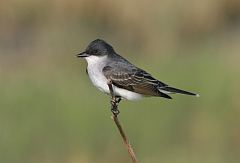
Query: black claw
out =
(114, 103)
(115, 111)
(118, 99)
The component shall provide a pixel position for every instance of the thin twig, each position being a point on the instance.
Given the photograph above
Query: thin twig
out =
(125, 140)
(115, 111)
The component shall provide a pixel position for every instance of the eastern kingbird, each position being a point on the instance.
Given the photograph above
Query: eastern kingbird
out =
(128, 81)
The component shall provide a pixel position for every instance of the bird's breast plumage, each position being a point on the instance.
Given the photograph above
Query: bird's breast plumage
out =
(95, 67)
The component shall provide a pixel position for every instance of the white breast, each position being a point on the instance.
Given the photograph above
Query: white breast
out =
(95, 66)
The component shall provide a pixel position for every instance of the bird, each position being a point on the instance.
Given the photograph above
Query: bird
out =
(128, 81)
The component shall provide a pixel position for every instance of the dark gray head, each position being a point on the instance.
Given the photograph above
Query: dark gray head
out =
(97, 47)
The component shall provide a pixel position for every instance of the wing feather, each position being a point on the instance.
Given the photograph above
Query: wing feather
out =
(135, 80)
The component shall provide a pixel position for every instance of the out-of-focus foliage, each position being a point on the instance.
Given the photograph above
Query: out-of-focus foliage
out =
(50, 112)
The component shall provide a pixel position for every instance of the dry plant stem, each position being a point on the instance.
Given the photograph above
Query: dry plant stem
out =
(114, 109)
(125, 139)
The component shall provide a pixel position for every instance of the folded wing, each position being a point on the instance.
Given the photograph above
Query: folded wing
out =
(135, 80)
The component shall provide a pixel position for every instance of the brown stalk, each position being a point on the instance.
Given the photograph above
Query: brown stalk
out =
(115, 111)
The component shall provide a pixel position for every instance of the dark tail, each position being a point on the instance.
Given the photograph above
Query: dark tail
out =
(168, 89)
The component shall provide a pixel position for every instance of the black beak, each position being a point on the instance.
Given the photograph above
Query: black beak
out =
(82, 55)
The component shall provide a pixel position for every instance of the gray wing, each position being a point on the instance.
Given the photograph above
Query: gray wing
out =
(134, 79)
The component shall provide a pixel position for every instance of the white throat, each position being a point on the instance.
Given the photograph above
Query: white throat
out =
(92, 60)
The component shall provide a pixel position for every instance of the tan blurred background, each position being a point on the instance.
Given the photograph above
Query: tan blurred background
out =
(50, 112)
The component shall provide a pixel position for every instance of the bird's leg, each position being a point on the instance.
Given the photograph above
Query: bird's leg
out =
(114, 107)
(114, 100)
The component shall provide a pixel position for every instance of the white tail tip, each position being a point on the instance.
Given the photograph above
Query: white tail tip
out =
(197, 95)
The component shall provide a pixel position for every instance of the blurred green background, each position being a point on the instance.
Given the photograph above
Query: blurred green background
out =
(51, 113)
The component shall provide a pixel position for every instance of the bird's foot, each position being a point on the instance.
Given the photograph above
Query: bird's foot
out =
(118, 99)
(115, 112)
(114, 102)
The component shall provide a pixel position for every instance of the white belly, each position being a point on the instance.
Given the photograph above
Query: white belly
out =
(99, 80)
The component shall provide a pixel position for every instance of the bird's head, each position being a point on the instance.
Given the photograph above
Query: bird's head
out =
(97, 47)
